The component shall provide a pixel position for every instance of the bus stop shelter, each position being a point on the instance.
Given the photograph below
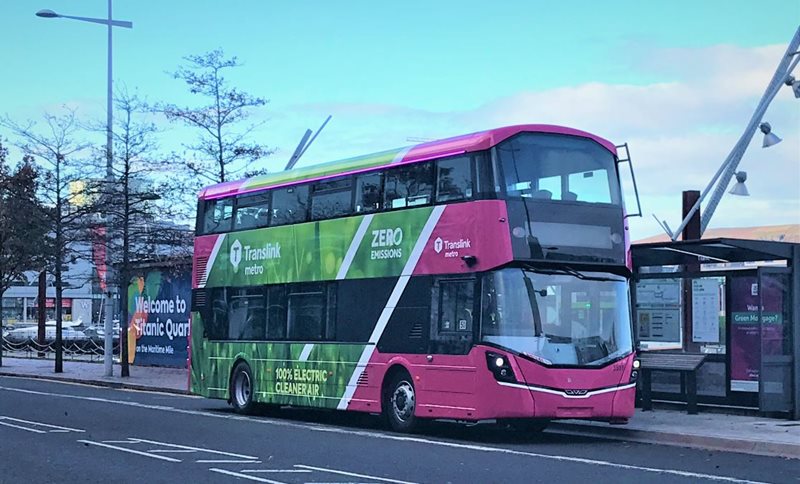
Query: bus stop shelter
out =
(737, 302)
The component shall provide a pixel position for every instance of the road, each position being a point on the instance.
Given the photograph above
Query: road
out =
(58, 432)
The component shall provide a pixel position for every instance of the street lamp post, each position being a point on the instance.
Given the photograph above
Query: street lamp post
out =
(109, 303)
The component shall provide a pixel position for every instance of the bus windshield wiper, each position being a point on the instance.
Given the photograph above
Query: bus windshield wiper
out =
(554, 338)
(537, 317)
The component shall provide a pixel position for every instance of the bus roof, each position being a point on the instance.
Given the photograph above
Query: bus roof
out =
(425, 151)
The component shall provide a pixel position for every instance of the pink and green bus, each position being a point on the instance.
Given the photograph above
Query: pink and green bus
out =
(481, 277)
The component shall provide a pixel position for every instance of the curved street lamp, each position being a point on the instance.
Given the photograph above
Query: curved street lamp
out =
(47, 13)
(727, 170)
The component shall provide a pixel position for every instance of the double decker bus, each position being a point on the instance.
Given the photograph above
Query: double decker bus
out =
(479, 277)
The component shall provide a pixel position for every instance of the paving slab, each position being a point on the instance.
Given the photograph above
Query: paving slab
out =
(737, 433)
(170, 380)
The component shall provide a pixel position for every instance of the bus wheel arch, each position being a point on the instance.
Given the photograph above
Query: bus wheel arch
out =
(241, 387)
(399, 399)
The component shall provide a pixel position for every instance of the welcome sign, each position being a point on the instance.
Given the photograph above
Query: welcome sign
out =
(158, 330)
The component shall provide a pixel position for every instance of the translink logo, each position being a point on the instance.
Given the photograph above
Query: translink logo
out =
(236, 254)
(437, 244)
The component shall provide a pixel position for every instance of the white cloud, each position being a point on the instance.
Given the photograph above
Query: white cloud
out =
(679, 129)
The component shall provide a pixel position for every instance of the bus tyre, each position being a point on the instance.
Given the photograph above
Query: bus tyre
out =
(400, 402)
(242, 388)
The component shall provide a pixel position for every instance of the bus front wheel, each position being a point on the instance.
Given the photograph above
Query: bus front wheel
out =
(400, 402)
(242, 388)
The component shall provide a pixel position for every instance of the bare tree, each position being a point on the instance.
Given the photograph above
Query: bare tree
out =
(223, 148)
(137, 221)
(68, 190)
(23, 244)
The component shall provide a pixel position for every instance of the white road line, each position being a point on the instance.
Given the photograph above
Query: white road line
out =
(223, 461)
(352, 474)
(65, 429)
(198, 449)
(23, 428)
(119, 441)
(376, 435)
(561, 458)
(171, 451)
(276, 471)
(338, 482)
(130, 451)
(245, 476)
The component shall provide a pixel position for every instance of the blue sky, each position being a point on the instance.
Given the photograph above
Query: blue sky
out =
(678, 80)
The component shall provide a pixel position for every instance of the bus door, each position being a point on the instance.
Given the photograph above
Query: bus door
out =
(454, 318)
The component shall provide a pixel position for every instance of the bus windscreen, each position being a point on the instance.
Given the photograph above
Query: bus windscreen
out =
(564, 319)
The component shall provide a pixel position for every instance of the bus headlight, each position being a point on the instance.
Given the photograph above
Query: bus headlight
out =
(500, 367)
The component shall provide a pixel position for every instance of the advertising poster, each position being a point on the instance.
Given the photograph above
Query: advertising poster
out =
(747, 331)
(159, 302)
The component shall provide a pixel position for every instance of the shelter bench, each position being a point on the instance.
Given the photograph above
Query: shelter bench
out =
(685, 363)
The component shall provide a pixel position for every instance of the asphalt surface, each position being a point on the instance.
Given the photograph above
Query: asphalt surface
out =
(57, 432)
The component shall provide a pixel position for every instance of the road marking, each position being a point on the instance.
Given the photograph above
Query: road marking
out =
(265, 471)
(131, 451)
(197, 449)
(57, 427)
(348, 482)
(349, 431)
(23, 428)
(223, 461)
(352, 474)
(171, 451)
(119, 442)
(244, 476)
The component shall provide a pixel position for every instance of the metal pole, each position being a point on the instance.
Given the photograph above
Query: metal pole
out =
(723, 176)
(775, 85)
(108, 347)
(794, 298)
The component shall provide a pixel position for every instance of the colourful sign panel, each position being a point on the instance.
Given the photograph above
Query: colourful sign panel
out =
(448, 239)
(747, 331)
(159, 307)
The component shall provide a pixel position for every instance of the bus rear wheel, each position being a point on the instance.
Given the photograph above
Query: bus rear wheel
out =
(400, 403)
(242, 389)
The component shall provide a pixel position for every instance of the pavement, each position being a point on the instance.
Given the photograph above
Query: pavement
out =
(664, 426)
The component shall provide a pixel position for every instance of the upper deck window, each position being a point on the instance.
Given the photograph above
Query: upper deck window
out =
(454, 179)
(218, 216)
(408, 186)
(252, 211)
(289, 205)
(558, 167)
(331, 199)
(368, 192)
